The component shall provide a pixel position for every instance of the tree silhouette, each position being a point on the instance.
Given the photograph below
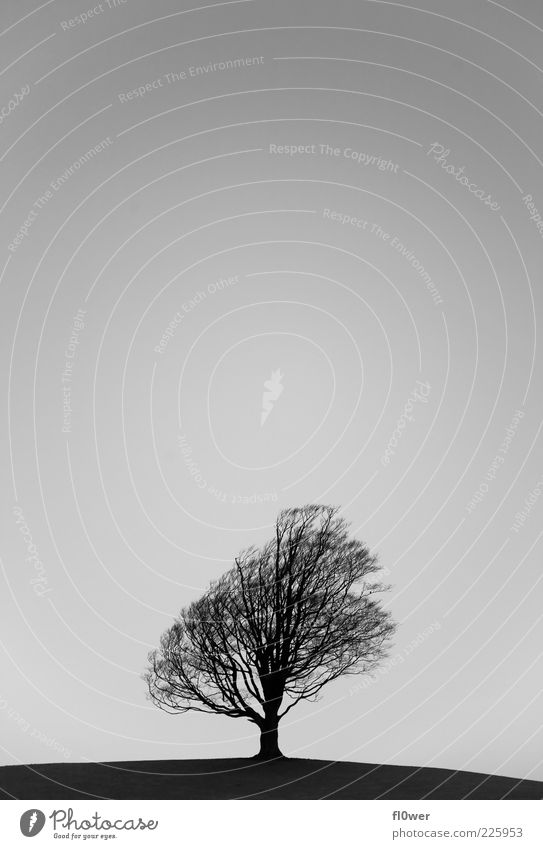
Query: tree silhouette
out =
(273, 630)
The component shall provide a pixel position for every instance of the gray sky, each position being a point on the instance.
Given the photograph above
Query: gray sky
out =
(257, 255)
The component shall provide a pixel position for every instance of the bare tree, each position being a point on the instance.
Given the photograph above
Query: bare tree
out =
(273, 630)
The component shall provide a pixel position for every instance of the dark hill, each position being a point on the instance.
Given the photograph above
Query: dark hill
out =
(245, 778)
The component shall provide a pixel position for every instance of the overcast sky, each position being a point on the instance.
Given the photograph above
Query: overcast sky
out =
(256, 255)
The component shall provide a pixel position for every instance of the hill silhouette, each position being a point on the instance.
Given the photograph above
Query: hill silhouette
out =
(238, 778)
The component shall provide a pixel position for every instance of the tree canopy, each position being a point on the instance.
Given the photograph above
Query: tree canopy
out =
(285, 620)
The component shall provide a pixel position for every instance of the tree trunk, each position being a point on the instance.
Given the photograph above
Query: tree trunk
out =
(269, 739)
